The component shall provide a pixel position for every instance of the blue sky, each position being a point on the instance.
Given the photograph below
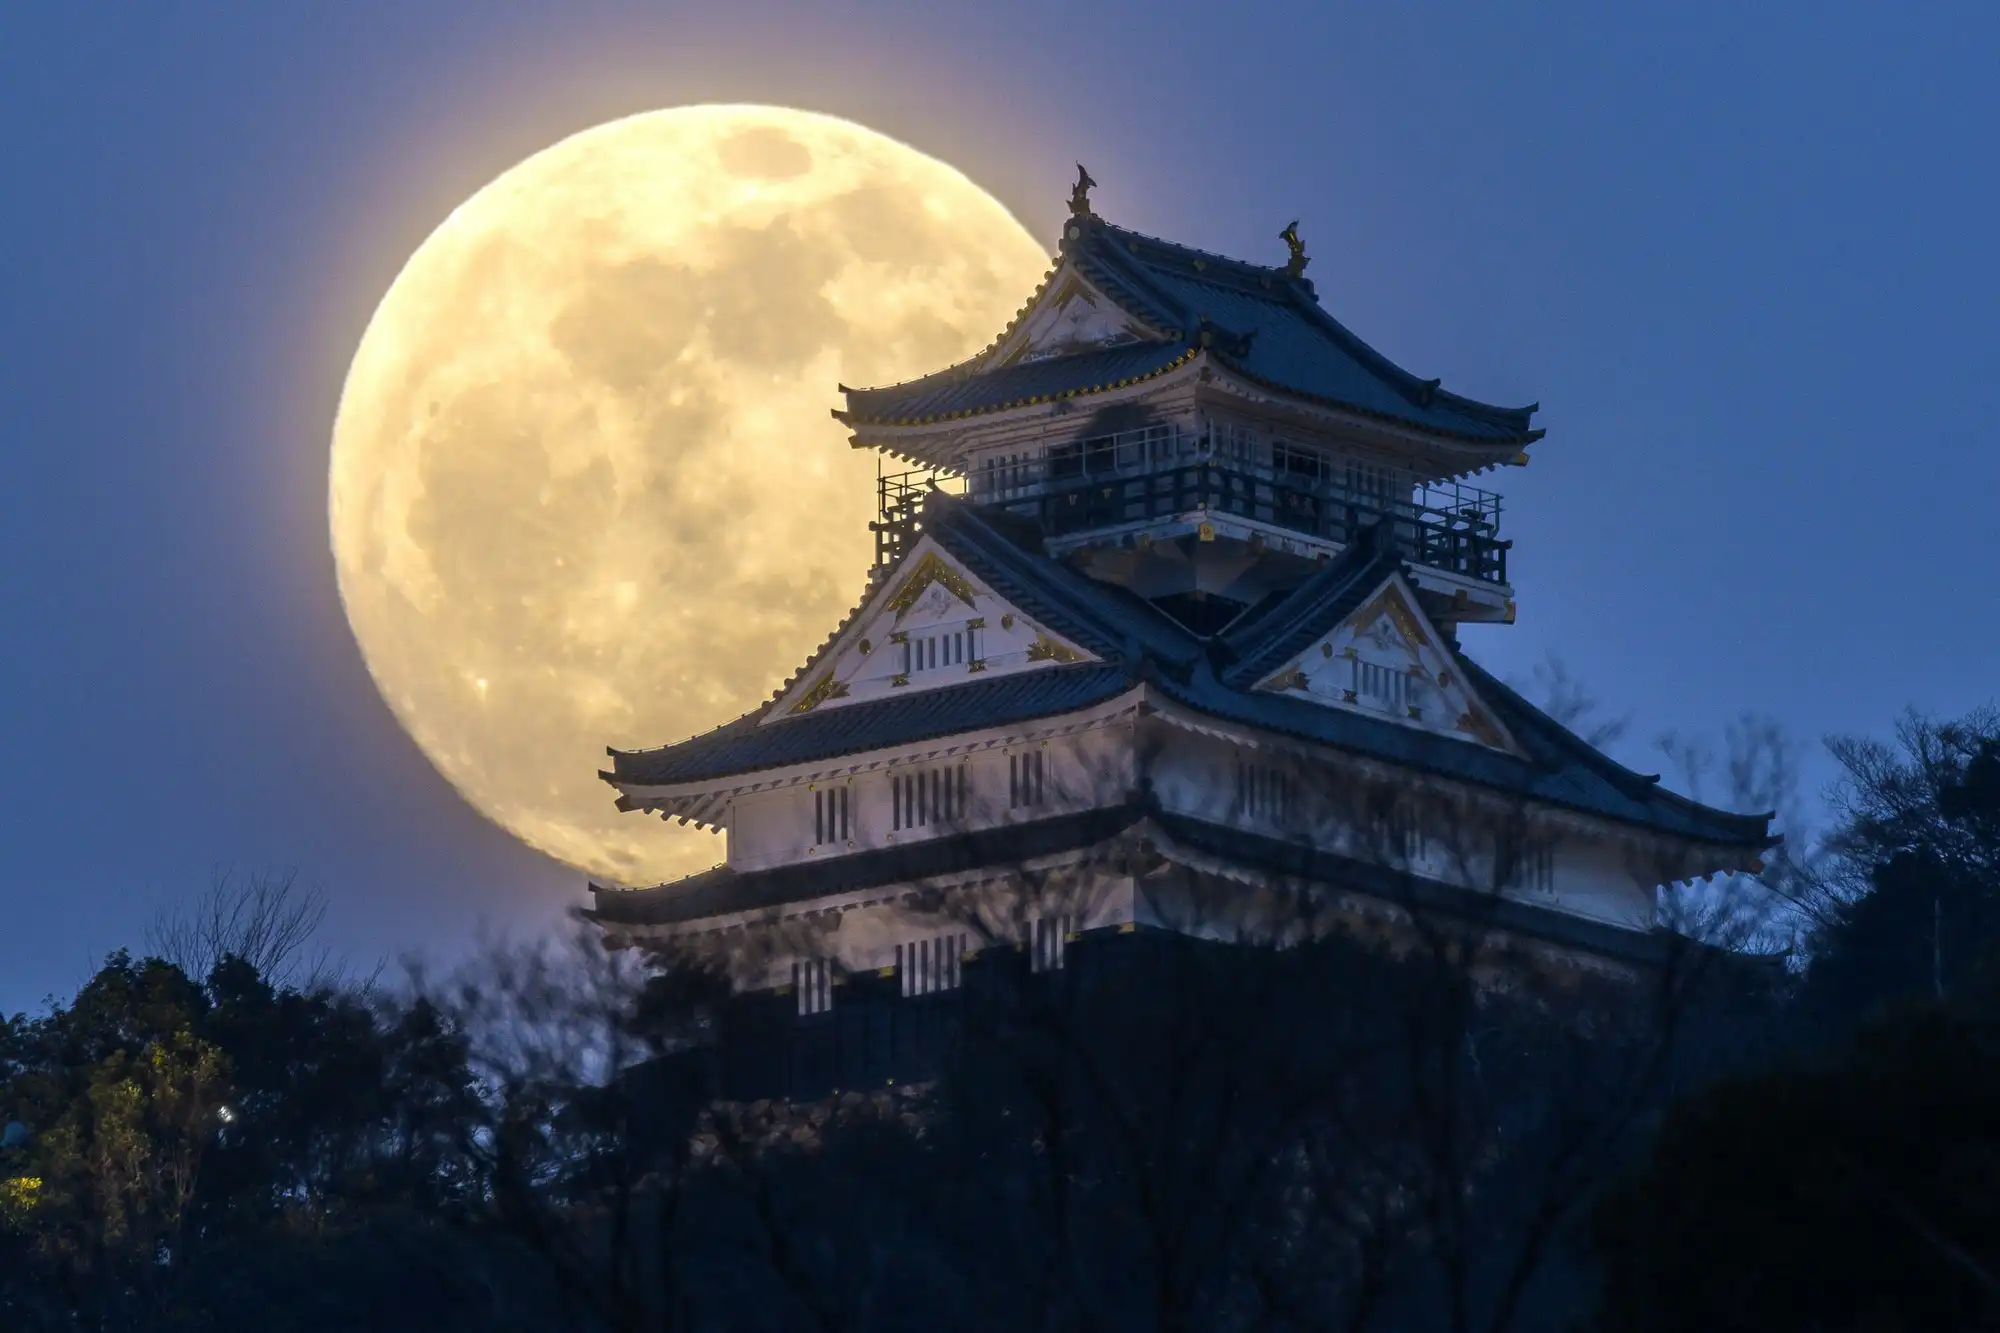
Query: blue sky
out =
(1742, 255)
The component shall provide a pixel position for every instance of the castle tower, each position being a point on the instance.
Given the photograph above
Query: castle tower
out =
(1168, 594)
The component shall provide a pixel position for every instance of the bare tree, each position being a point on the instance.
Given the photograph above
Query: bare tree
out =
(1347, 1091)
(269, 920)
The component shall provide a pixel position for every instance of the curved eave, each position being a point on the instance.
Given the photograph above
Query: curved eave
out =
(1114, 255)
(856, 419)
(1731, 833)
(973, 364)
(1505, 443)
(1422, 393)
(1731, 827)
(1109, 691)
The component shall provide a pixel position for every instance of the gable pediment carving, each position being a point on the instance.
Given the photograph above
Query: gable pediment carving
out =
(931, 624)
(1071, 315)
(1386, 660)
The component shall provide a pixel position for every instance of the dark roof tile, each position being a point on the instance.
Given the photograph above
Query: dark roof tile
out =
(1138, 643)
(1270, 327)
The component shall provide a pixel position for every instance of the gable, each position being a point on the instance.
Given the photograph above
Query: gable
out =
(932, 623)
(1386, 660)
(1070, 315)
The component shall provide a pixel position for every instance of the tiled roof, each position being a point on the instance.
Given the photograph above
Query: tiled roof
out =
(1259, 644)
(722, 890)
(1279, 856)
(1211, 677)
(955, 393)
(1551, 774)
(1113, 625)
(1263, 322)
(744, 746)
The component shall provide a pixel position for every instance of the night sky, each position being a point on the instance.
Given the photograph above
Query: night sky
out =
(1745, 260)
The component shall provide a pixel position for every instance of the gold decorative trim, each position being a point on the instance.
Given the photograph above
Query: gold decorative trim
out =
(1031, 401)
(1045, 649)
(1474, 723)
(1294, 679)
(978, 664)
(900, 678)
(931, 569)
(977, 622)
(1405, 617)
(1007, 621)
(866, 647)
(826, 687)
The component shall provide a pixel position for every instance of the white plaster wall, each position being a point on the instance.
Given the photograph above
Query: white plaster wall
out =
(862, 937)
(773, 828)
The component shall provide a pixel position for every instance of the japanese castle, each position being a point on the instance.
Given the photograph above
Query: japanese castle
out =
(1176, 562)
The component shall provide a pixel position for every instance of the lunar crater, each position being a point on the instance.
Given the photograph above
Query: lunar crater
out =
(584, 490)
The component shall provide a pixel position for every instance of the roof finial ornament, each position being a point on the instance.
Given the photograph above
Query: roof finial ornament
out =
(1295, 267)
(1079, 198)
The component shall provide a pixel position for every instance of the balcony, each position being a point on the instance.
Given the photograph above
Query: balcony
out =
(1158, 473)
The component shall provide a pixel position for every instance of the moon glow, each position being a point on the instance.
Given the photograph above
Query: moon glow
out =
(584, 487)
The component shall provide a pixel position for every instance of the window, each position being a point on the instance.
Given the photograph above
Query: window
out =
(1371, 483)
(1048, 941)
(812, 978)
(1299, 461)
(1065, 460)
(830, 822)
(1385, 687)
(1003, 476)
(929, 966)
(1025, 787)
(1528, 864)
(1235, 440)
(953, 648)
(1395, 835)
(928, 795)
(1262, 791)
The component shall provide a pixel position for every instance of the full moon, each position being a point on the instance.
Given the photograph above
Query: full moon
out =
(585, 490)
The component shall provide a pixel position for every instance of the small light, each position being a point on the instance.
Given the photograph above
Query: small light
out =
(225, 1115)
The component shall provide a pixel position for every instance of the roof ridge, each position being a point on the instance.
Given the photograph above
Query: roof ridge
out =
(1178, 247)
(1055, 267)
(1635, 784)
(1368, 560)
(1081, 597)
(1434, 389)
(1154, 357)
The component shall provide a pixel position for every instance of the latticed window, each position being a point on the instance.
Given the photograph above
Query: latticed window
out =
(933, 965)
(1001, 477)
(1528, 863)
(830, 816)
(925, 796)
(1048, 941)
(1301, 461)
(812, 979)
(1372, 483)
(1263, 791)
(1235, 440)
(1025, 785)
(933, 651)
(1394, 834)
(1383, 686)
